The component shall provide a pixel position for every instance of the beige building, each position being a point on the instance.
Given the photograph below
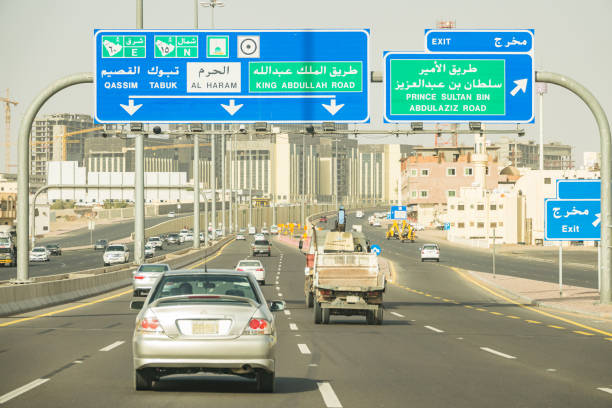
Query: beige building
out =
(434, 175)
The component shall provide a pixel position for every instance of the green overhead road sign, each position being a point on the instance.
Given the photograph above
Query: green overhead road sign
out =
(176, 46)
(431, 87)
(124, 46)
(320, 76)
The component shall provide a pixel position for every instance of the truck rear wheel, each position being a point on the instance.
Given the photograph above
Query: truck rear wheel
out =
(325, 316)
(317, 313)
(370, 317)
(309, 300)
(378, 316)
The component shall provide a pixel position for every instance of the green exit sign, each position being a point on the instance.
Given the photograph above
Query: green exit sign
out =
(455, 87)
(124, 46)
(176, 46)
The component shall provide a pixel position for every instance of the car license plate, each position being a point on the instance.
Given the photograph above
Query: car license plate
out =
(204, 327)
(352, 299)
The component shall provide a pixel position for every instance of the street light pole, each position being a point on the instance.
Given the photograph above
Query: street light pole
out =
(212, 4)
(196, 166)
(223, 184)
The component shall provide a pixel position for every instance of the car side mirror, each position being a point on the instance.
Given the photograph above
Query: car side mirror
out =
(277, 305)
(420, 249)
(300, 244)
(136, 304)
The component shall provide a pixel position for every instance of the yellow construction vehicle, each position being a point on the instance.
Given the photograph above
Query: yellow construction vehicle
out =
(407, 232)
(393, 231)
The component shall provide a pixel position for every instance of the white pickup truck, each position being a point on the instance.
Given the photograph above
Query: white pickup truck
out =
(346, 280)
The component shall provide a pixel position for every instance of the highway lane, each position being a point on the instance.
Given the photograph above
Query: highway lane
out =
(432, 351)
(77, 260)
(111, 232)
(479, 260)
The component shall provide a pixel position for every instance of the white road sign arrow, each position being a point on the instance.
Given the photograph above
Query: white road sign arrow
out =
(232, 107)
(521, 85)
(332, 107)
(130, 107)
(598, 220)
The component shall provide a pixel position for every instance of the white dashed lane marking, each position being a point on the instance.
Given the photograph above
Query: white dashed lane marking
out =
(293, 326)
(23, 389)
(329, 396)
(434, 329)
(497, 353)
(112, 346)
(304, 348)
(397, 314)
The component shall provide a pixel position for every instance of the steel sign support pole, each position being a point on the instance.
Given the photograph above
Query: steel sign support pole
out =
(560, 269)
(606, 173)
(213, 185)
(23, 171)
(196, 190)
(139, 174)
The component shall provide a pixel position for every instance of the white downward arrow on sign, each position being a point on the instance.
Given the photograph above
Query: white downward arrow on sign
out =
(130, 107)
(332, 107)
(232, 107)
(598, 220)
(521, 84)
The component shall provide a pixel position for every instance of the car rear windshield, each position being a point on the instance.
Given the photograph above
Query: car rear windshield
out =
(5, 250)
(261, 242)
(100, 242)
(51, 246)
(430, 247)
(115, 248)
(39, 249)
(173, 236)
(205, 284)
(152, 268)
(249, 263)
(154, 239)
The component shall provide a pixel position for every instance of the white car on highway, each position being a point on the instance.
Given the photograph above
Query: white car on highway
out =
(39, 254)
(359, 214)
(430, 251)
(240, 237)
(255, 267)
(156, 242)
(116, 253)
(376, 223)
(188, 237)
(171, 214)
(149, 250)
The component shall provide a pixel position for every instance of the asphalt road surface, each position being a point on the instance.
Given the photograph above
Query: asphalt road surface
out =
(444, 343)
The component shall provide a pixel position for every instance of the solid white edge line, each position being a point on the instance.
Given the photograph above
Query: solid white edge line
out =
(397, 314)
(497, 353)
(304, 348)
(329, 396)
(293, 326)
(112, 346)
(604, 389)
(25, 388)
(434, 329)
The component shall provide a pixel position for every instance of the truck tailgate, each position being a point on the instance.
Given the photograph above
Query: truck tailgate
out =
(348, 272)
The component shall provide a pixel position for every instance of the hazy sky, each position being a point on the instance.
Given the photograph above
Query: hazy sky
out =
(43, 40)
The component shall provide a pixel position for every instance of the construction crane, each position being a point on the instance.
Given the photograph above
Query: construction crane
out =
(64, 141)
(7, 136)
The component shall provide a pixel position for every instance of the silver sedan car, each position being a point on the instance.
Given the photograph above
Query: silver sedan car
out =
(214, 321)
(144, 277)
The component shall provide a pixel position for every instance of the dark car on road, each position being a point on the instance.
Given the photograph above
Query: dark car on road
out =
(261, 246)
(54, 249)
(101, 244)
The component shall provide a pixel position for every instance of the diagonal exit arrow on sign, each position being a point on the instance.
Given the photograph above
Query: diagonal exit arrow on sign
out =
(597, 220)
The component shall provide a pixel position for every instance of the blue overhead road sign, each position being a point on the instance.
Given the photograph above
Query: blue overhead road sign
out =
(497, 41)
(572, 220)
(579, 189)
(231, 76)
(399, 212)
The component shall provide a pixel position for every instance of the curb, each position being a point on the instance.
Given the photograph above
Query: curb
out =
(532, 302)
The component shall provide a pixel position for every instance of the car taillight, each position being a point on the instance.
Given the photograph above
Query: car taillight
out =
(258, 326)
(259, 269)
(325, 292)
(240, 270)
(150, 325)
(138, 277)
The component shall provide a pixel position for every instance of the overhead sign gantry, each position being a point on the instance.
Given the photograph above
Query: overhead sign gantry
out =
(231, 76)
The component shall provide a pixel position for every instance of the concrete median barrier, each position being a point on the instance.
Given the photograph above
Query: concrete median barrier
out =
(52, 290)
